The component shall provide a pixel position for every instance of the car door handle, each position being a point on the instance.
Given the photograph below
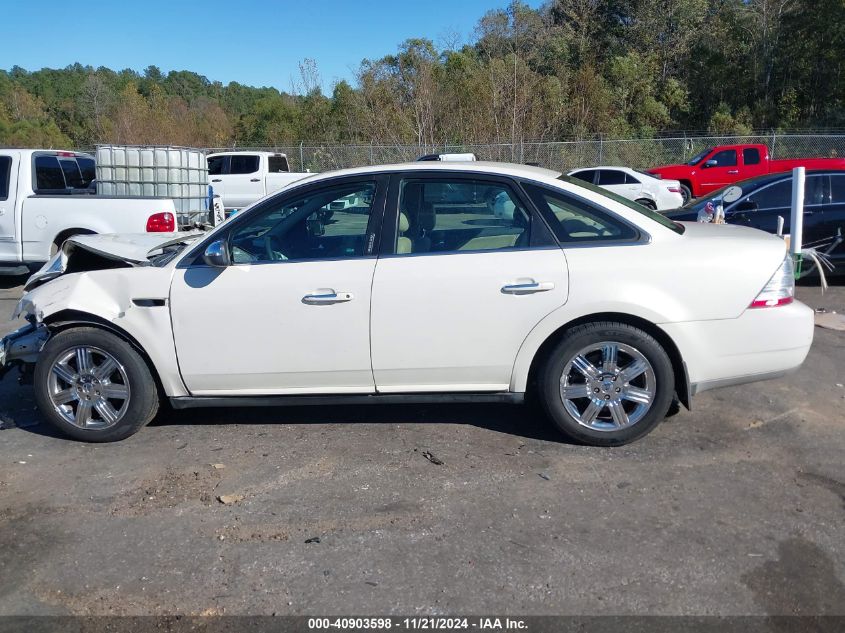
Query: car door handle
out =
(255, 179)
(326, 297)
(733, 171)
(216, 180)
(527, 288)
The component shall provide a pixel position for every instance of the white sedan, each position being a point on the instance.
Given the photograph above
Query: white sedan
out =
(651, 192)
(604, 311)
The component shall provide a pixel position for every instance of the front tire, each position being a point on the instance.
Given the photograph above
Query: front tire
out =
(686, 194)
(606, 384)
(94, 386)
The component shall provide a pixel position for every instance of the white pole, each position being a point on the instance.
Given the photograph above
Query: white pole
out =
(780, 226)
(796, 225)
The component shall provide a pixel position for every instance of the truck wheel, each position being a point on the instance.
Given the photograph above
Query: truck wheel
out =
(93, 386)
(686, 193)
(607, 384)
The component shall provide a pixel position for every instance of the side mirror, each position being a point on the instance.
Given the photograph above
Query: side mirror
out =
(710, 163)
(217, 255)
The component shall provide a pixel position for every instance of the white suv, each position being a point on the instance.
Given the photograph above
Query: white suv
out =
(603, 310)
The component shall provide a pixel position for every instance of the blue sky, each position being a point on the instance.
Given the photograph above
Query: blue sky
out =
(254, 43)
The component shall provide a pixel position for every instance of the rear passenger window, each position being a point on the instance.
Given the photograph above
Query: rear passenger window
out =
(278, 164)
(5, 176)
(243, 165)
(587, 176)
(49, 176)
(574, 220)
(611, 177)
(751, 156)
(631, 180)
(446, 216)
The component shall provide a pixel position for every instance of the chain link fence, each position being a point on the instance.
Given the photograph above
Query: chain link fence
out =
(561, 155)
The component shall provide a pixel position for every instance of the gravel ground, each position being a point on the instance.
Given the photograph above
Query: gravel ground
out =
(737, 507)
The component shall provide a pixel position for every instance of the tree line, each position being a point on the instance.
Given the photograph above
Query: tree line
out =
(570, 69)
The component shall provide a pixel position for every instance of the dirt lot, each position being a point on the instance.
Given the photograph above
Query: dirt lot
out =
(735, 508)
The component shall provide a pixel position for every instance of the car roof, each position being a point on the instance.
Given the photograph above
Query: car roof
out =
(605, 167)
(766, 178)
(236, 152)
(482, 167)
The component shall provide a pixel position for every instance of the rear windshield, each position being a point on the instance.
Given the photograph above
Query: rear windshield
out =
(63, 174)
(653, 215)
(48, 174)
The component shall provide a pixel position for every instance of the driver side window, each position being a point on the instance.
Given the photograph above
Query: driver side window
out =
(725, 158)
(325, 224)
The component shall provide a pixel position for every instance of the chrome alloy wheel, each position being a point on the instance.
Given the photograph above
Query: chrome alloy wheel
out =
(89, 388)
(608, 386)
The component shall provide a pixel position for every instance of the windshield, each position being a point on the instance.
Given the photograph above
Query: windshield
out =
(698, 157)
(652, 215)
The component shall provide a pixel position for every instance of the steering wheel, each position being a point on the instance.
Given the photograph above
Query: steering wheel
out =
(273, 256)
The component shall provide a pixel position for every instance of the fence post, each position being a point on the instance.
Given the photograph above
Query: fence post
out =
(774, 140)
(301, 157)
(601, 149)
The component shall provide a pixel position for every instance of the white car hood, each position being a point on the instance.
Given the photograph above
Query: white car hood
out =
(133, 249)
(129, 247)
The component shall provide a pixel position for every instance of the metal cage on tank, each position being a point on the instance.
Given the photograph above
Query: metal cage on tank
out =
(179, 173)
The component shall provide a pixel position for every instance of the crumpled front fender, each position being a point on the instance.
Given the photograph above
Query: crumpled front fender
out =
(133, 301)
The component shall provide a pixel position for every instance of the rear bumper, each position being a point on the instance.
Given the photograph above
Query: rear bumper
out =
(758, 345)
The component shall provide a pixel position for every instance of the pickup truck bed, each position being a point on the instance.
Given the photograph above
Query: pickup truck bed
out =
(45, 198)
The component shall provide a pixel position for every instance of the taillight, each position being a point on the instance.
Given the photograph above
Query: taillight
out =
(780, 290)
(674, 189)
(161, 223)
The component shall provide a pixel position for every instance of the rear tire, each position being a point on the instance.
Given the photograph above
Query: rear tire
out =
(648, 204)
(93, 386)
(606, 384)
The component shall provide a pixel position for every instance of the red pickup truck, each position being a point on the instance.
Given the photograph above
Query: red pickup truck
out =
(724, 164)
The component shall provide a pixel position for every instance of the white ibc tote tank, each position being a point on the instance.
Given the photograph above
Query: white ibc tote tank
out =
(179, 173)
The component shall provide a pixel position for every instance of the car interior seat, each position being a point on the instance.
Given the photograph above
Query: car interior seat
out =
(403, 244)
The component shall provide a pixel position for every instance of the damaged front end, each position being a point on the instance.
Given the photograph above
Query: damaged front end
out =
(105, 290)
(83, 253)
(21, 348)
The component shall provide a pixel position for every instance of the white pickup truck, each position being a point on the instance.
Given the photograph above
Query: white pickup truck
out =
(241, 178)
(48, 195)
